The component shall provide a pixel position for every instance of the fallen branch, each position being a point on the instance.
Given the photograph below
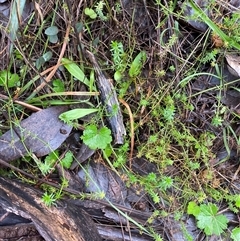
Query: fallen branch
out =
(110, 101)
(62, 222)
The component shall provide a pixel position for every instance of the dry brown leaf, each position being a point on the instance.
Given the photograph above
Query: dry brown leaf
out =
(41, 133)
(233, 61)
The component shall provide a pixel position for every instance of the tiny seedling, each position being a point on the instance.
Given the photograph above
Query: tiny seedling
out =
(90, 12)
(49, 199)
(52, 32)
(43, 59)
(99, 10)
(51, 195)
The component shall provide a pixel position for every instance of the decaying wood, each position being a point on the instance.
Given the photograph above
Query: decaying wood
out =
(118, 234)
(62, 222)
(109, 99)
(21, 231)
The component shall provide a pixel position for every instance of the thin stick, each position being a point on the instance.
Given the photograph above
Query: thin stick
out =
(31, 107)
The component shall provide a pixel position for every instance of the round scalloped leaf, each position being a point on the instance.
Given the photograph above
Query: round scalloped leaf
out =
(53, 39)
(50, 31)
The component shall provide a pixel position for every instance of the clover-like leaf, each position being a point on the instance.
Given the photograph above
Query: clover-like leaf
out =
(53, 39)
(96, 139)
(90, 12)
(50, 31)
(42, 59)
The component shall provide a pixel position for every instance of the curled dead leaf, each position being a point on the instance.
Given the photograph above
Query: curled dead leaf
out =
(233, 61)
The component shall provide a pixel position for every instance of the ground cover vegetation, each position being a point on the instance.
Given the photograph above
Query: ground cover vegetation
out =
(174, 67)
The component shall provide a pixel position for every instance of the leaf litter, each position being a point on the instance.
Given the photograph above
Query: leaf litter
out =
(204, 104)
(40, 134)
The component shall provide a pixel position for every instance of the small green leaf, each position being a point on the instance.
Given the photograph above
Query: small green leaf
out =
(193, 208)
(79, 26)
(75, 114)
(117, 76)
(137, 64)
(235, 235)
(50, 31)
(96, 139)
(53, 39)
(51, 158)
(47, 56)
(58, 85)
(67, 160)
(166, 182)
(39, 62)
(75, 71)
(237, 201)
(7, 79)
(90, 12)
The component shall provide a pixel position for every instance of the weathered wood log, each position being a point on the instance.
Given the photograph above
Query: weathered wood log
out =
(110, 101)
(21, 231)
(62, 222)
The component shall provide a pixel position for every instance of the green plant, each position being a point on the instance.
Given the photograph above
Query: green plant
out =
(47, 165)
(96, 139)
(235, 235)
(137, 64)
(90, 12)
(207, 218)
(58, 85)
(49, 199)
(52, 32)
(75, 114)
(8, 79)
(76, 72)
(217, 121)
(43, 59)
(98, 12)
(51, 195)
(229, 41)
(231, 26)
(122, 61)
(119, 59)
(67, 160)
